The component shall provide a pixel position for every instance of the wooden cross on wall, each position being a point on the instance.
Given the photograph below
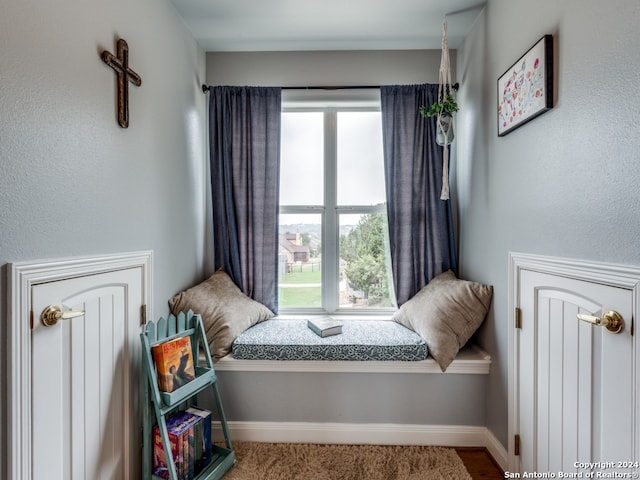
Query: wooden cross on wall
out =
(125, 75)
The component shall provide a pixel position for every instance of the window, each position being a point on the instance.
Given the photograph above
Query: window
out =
(333, 241)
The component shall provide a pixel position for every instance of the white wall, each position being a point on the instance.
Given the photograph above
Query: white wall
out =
(317, 68)
(565, 184)
(72, 182)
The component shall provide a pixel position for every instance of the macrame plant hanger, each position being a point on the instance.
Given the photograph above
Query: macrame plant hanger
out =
(444, 89)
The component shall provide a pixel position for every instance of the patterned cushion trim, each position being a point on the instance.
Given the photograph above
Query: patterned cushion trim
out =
(360, 340)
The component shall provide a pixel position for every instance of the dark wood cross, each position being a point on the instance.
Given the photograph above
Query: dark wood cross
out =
(125, 75)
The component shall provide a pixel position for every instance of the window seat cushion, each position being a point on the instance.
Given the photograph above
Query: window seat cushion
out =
(360, 340)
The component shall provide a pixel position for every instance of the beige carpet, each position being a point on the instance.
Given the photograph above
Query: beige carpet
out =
(287, 461)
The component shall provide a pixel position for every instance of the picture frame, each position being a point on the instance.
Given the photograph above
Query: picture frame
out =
(525, 89)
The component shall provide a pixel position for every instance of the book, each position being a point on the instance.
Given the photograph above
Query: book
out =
(197, 445)
(190, 462)
(325, 326)
(160, 463)
(174, 363)
(205, 415)
(178, 432)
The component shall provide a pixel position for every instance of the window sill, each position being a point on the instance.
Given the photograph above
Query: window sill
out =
(470, 360)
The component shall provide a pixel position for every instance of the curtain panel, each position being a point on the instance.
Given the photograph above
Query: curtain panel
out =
(421, 231)
(244, 125)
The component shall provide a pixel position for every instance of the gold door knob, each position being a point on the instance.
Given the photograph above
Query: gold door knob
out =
(611, 319)
(50, 315)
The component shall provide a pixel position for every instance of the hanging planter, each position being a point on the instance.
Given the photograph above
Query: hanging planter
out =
(445, 134)
(443, 110)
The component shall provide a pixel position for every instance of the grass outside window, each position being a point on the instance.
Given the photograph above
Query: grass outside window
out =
(301, 286)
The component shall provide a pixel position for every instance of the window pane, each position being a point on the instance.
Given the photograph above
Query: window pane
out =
(360, 159)
(299, 276)
(365, 267)
(301, 158)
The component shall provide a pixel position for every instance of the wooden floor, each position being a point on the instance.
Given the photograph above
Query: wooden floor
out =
(479, 463)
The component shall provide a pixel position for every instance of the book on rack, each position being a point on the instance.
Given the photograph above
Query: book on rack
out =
(190, 441)
(178, 431)
(160, 463)
(204, 437)
(325, 326)
(190, 460)
(174, 363)
(195, 442)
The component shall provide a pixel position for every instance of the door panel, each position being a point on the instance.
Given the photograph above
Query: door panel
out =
(84, 409)
(575, 380)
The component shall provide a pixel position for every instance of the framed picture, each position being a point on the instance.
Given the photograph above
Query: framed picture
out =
(525, 90)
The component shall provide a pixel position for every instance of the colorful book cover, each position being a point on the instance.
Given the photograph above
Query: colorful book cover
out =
(176, 442)
(184, 429)
(206, 433)
(190, 447)
(180, 427)
(185, 449)
(160, 464)
(174, 363)
(197, 440)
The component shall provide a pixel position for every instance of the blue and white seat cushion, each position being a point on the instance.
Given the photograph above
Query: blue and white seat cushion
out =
(360, 340)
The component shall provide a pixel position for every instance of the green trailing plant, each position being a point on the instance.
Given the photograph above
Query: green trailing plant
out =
(447, 105)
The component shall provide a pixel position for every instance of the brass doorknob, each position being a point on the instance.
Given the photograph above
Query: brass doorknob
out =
(50, 315)
(611, 319)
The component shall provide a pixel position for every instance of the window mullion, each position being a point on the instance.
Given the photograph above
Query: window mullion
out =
(330, 260)
(311, 154)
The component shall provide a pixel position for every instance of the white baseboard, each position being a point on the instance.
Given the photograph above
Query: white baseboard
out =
(368, 433)
(497, 450)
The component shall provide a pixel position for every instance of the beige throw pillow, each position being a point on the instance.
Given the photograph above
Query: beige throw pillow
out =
(226, 311)
(446, 313)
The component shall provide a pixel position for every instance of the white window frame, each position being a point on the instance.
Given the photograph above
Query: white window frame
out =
(330, 214)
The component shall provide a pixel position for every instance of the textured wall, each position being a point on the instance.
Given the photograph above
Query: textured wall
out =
(72, 182)
(565, 184)
(400, 398)
(325, 68)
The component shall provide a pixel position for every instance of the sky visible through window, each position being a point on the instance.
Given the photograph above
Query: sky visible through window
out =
(302, 159)
(360, 161)
(358, 185)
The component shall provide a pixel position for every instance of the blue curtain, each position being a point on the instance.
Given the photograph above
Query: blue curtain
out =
(244, 150)
(421, 229)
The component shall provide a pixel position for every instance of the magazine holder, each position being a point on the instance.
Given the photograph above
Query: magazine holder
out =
(158, 405)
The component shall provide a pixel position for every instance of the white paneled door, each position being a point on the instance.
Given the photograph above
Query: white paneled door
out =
(84, 389)
(574, 388)
(73, 367)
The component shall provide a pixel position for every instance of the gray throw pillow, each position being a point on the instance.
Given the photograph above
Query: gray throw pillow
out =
(446, 313)
(226, 311)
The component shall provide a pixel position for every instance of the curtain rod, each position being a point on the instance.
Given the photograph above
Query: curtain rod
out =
(455, 86)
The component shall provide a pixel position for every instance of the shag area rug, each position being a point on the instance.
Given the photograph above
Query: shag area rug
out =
(290, 461)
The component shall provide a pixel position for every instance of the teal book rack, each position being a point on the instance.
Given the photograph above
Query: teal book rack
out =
(158, 405)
